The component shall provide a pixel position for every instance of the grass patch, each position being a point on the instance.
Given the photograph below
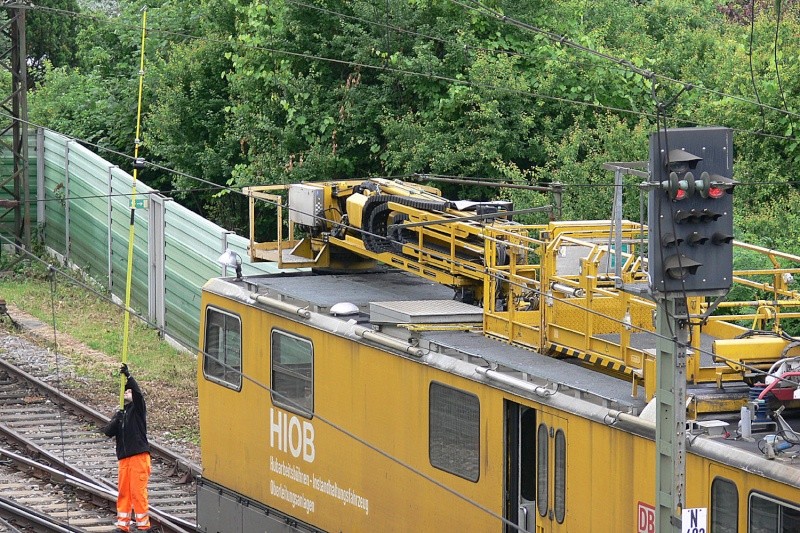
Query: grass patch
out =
(89, 332)
(94, 320)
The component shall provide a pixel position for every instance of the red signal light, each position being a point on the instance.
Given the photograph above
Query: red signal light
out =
(680, 194)
(716, 192)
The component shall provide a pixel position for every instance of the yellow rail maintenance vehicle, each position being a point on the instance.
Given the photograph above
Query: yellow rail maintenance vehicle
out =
(421, 364)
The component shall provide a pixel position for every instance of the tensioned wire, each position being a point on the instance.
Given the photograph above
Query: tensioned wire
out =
(553, 37)
(542, 294)
(127, 305)
(216, 186)
(429, 75)
(358, 230)
(317, 416)
(322, 419)
(562, 40)
(362, 232)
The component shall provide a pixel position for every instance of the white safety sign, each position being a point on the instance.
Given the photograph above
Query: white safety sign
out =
(694, 520)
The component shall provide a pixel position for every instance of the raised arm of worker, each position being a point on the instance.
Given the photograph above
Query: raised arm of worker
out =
(136, 392)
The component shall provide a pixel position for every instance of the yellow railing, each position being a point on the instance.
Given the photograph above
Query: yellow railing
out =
(562, 288)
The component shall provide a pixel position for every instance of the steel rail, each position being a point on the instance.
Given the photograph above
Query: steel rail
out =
(39, 520)
(61, 471)
(181, 463)
(162, 519)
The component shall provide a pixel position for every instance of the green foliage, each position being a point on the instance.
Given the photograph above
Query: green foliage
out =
(86, 315)
(187, 124)
(774, 223)
(471, 128)
(576, 161)
(50, 36)
(241, 93)
(85, 105)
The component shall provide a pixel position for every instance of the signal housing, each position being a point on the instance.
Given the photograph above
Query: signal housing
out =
(690, 211)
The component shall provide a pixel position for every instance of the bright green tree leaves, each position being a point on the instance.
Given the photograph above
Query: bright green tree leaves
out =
(241, 93)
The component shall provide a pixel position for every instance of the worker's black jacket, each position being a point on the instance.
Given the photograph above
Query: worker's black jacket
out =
(129, 425)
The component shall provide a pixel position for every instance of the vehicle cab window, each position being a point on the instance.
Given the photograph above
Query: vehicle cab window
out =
(222, 353)
(292, 372)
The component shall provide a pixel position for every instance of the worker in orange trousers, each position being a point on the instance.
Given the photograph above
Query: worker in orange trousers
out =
(129, 427)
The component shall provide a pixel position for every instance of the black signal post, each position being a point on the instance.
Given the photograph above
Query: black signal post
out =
(690, 253)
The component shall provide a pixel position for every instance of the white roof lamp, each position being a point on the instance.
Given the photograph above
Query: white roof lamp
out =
(344, 309)
(233, 260)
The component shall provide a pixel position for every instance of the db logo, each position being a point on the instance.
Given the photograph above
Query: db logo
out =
(646, 518)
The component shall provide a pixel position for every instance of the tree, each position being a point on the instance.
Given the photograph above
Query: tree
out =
(50, 34)
(243, 93)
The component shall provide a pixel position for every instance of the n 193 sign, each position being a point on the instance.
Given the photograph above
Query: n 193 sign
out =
(694, 520)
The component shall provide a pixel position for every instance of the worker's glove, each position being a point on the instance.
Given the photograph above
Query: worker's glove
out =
(124, 370)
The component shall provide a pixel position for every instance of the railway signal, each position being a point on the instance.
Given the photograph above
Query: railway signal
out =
(690, 211)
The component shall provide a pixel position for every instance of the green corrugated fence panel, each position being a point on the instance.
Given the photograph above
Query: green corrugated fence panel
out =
(181, 306)
(87, 161)
(54, 205)
(88, 240)
(121, 188)
(192, 244)
(89, 216)
(88, 224)
(188, 226)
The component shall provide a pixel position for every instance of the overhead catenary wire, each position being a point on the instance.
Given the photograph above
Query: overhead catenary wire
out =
(127, 305)
(453, 80)
(200, 350)
(324, 420)
(482, 181)
(431, 75)
(237, 190)
(445, 178)
(100, 147)
(465, 46)
(556, 38)
(444, 257)
(563, 40)
(428, 75)
(364, 232)
(355, 229)
(341, 61)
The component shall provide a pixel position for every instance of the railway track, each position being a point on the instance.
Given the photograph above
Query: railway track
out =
(60, 436)
(37, 497)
